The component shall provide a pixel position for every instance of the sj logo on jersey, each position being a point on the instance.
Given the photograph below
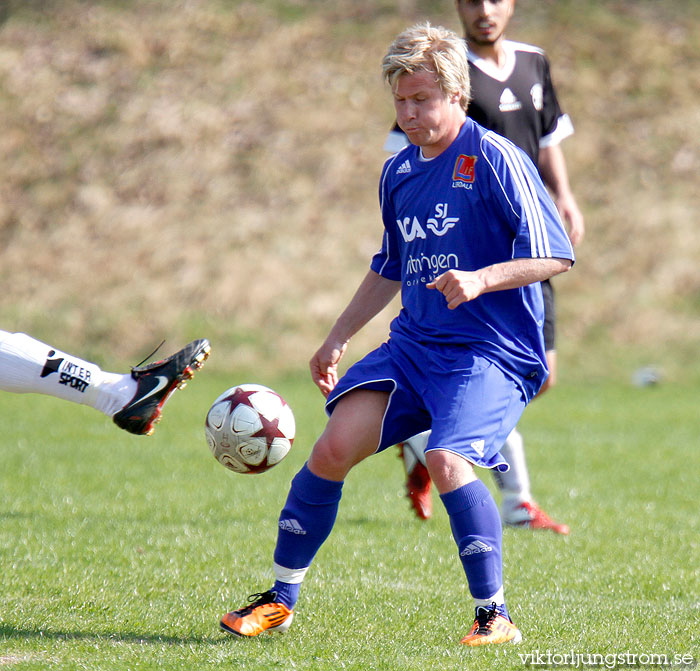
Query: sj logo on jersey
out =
(464, 171)
(439, 224)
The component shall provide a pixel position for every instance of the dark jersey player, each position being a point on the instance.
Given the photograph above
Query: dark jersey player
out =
(513, 95)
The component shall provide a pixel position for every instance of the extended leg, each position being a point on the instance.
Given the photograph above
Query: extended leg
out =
(352, 434)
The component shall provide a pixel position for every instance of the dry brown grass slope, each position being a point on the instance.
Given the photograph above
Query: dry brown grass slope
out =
(171, 169)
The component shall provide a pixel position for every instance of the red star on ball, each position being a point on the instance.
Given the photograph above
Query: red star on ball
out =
(269, 431)
(240, 397)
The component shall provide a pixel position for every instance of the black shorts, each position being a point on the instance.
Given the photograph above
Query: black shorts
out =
(550, 316)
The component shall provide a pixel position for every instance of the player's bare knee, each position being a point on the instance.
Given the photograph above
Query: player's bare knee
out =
(448, 471)
(333, 456)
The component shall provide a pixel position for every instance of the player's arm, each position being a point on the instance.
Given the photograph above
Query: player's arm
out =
(372, 296)
(461, 286)
(552, 167)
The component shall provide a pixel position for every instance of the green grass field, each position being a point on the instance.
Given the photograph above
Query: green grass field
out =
(121, 552)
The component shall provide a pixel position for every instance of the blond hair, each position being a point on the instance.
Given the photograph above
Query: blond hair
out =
(432, 49)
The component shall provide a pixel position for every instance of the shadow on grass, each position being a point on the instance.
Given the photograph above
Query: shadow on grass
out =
(9, 632)
(18, 515)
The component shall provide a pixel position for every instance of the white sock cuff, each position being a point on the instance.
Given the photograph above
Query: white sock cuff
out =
(292, 576)
(498, 598)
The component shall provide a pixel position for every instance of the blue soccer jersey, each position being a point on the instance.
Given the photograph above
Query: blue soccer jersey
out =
(478, 203)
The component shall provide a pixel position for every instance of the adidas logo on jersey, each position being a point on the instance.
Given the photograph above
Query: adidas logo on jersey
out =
(404, 167)
(508, 101)
(478, 447)
(475, 547)
(292, 526)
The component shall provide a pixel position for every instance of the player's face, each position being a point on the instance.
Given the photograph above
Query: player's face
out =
(484, 21)
(429, 118)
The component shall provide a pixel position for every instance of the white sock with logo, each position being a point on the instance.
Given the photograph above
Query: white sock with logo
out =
(30, 366)
(514, 483)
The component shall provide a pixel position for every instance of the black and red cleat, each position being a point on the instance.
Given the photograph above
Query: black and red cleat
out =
(156, 384)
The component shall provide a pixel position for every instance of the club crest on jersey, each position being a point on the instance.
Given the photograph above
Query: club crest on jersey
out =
(464, 172)
(537, 95)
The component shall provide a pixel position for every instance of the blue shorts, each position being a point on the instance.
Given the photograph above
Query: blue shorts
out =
(470, 403)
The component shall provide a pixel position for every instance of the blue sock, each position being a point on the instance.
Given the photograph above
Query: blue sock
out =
(305, 522)
(287, 593)
(476, 527)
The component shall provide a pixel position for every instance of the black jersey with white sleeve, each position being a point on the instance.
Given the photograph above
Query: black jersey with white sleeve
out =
(518, 100)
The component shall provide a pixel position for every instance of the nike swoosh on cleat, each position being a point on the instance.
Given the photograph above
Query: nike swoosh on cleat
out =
(162, 382)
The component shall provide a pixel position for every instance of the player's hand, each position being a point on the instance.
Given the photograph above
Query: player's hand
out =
(324, 365)
(458, 286)
(571, 215)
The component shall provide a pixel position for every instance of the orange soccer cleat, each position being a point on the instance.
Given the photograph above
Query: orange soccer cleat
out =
(492, 625)
(263, 614)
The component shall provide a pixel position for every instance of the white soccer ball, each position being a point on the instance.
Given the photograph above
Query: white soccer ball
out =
(250, 428)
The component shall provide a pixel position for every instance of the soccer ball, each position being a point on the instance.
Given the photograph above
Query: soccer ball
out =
(250, 428)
